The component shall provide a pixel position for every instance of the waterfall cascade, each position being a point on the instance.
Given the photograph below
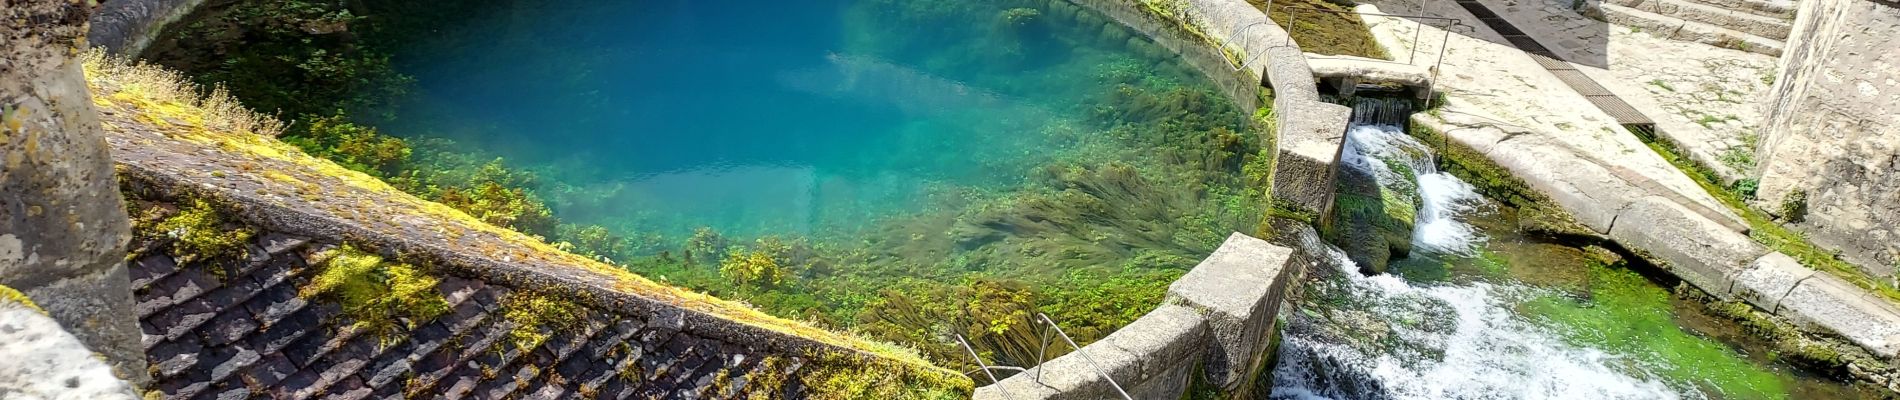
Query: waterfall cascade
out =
(1383, 337)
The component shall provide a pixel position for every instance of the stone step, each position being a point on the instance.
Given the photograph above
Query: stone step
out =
(1767, 27)
(1690, 31)
(1777, 9)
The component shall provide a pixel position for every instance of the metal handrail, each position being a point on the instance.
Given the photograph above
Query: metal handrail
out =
(1085, 357)
(986, 367)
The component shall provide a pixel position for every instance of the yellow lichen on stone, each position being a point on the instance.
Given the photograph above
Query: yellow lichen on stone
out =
(8, 294)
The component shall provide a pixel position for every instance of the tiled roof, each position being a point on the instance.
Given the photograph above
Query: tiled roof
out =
(238, 329)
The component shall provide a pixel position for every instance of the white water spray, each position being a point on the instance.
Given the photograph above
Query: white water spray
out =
(1392, 339)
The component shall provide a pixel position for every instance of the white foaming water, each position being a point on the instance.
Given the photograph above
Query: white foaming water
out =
(1442, 197)
(1395, 340)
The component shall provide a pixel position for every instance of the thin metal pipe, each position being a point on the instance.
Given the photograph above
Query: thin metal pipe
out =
(986, 367)
(1085, 357)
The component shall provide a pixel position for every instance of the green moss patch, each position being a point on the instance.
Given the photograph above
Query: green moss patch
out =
(1335, 31)
(378, 295)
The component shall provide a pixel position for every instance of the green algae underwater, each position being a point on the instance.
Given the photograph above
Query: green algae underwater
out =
(905, 170)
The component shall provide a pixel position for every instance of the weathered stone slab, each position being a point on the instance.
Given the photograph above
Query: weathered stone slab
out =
(1150, 358)
(1769, 279)
(1237, 290)
(42, 361)
(1831, 304)
(1694, 248)
(1591, 193)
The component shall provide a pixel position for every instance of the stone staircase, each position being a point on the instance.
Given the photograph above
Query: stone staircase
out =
(1757, 26)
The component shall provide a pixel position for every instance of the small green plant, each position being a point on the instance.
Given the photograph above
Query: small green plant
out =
(1747, 187)
(1708, 121)
(1794, 206)
(752, 268)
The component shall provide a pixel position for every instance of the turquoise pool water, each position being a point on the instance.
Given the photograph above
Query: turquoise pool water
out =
(905, 169)
(756, 117)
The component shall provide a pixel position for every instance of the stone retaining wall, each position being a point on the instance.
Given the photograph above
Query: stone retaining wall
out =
(1217, 35)
(128, 26)
(1831, 131)
(1214, 332)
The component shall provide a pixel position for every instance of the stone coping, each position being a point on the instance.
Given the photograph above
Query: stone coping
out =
(1239, 49)
(1217, 322)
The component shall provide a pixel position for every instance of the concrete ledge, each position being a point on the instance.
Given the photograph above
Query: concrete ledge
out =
(1824, 302)
(1694, 248)
(1218, 319)
(1768, 280)
(1150, 358)
(1592, 194)
(1226, 287)
(1347, 72)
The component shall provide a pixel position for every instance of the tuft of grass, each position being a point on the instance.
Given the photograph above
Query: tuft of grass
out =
(1664, 85)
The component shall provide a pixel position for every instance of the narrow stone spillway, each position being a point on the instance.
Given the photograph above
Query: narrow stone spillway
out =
(1478, 311)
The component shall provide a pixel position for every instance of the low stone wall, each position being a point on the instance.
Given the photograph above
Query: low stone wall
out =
(1239, 49)
(128, 26)
(1214, 331)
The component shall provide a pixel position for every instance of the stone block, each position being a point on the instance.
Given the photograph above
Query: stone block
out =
(1769, 279)
(1592, 194)
(268, 371)
(1150, 359)
(275, 243)
(151, 268)
(1698, 250)
(1233, 289)
(1832, 305)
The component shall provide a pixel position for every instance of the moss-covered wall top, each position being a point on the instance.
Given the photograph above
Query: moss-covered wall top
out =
(202, 160)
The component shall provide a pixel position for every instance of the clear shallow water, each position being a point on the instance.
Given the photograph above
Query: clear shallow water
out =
(1482, 312)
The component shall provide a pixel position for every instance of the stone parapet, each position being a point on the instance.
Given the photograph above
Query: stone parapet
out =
(1213, 331)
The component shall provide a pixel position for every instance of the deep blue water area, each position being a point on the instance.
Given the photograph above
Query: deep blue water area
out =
(763, 117)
